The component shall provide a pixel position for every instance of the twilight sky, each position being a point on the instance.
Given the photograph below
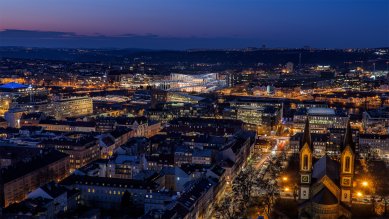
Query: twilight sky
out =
(182, 24)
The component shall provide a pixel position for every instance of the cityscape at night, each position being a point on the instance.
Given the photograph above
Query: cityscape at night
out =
(196, 109)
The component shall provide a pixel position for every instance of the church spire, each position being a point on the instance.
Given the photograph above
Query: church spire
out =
(307, 135)
(347, 160)
(306, 151)
(348, 137)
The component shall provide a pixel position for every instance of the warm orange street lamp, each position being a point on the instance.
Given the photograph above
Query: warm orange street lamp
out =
(359, 194)
(284, 178)
(365, 183)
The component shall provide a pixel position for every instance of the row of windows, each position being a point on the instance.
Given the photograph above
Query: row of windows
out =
(109, 185)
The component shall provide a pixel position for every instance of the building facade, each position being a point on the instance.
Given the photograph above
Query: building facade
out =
(325, 189)
(20, 179)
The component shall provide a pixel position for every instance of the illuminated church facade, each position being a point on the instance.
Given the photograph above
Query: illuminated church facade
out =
(326, 184)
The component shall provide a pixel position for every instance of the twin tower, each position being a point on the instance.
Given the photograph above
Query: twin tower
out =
(326, 184)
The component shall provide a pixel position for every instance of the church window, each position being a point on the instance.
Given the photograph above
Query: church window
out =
(305, 162)
(347, 165)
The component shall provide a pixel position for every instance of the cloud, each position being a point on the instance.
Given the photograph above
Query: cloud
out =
(55, 39)
(52, 39)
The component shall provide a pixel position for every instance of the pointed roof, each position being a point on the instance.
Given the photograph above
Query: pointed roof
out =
(325, 166)
(348, 138)
(306, 139)
(325, 197)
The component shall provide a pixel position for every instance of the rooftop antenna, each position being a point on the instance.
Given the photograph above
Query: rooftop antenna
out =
(300, 59)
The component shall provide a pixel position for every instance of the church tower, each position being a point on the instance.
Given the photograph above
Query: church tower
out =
(306, 150)
(347, 160)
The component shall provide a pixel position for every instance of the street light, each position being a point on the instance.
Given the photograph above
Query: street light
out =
(284, 178)
(286, 189)
(365, 183)
(359, 194)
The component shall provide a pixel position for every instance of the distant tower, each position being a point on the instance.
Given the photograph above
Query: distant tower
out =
(306, 150)
(289, 67)
(347, 159)
(300, 59)
(270, 90)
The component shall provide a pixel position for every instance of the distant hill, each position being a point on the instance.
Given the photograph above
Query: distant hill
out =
(79, 55)
(242, 57)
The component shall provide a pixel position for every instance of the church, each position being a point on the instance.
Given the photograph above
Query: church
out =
(326, 183)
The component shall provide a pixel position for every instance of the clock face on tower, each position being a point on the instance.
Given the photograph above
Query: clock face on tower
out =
(346, 181)
(304, 178)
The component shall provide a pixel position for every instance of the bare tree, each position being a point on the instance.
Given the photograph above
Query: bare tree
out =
(268, 188)
(270, 192)
(379, 187)
(227, 208)
(381, 192)
(243, 185)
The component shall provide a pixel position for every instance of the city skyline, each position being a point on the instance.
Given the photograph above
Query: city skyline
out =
(206, 109)
(195, 24)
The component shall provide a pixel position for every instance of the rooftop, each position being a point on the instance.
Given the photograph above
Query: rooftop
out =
(325, 166)
(321, 111)
(13, 85)
(22, 168)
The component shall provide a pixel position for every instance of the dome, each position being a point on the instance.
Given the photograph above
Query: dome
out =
(13, 85)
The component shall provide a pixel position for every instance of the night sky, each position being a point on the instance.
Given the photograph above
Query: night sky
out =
(182, 24)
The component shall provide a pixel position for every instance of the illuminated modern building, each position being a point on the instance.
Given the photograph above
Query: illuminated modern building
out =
(263, 117)
(199, 83)
(14, 88)
(253, 102)
(72, 107)
(320, 119)
(180, 97)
